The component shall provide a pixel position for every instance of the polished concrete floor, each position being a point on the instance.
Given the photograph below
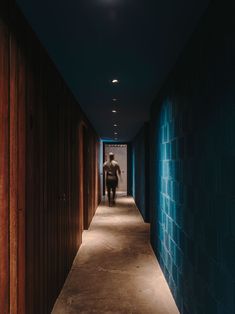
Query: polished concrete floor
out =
(115, 270)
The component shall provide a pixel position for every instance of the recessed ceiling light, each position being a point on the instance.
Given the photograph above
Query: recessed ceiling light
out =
(114, 99)
(115, 133)
(114, 111)
(115, 81)
(115, 124)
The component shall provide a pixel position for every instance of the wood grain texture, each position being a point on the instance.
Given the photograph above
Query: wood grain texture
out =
(48, 173)
(4, 169)
(13, 177)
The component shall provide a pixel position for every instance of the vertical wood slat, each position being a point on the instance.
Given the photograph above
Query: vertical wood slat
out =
(4, 169)
(45, 193)
(41, 209)
(43, 216)
(17, 163)
(21, 181)
(13, 178)
(30, 232)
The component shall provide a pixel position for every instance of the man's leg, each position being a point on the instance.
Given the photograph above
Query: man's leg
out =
(108, 190)
(114, 194)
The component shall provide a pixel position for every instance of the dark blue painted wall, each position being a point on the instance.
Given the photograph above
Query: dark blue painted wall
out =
(140, 166)
(193, 169)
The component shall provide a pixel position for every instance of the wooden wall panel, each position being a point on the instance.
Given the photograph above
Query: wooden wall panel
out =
(12, 172)
(4, 169)
(43, 185)
(54, 216)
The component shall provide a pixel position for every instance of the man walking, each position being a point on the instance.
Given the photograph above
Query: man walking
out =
(112, 169)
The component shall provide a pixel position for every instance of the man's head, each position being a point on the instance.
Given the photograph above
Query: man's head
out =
(111, 156)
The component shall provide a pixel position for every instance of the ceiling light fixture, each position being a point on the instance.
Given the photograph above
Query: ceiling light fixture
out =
(115, 133)
(114, 99)
(114, 111)
(115, 81)
(115, 124)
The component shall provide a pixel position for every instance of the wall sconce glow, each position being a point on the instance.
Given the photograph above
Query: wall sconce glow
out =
(115, 81)
(114, 111)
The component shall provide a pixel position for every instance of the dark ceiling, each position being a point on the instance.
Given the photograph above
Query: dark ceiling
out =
(95, 41)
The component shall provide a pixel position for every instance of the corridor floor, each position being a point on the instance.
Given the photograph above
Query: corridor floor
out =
(115, 270)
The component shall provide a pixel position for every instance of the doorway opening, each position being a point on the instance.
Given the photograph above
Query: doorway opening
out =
(120, 155)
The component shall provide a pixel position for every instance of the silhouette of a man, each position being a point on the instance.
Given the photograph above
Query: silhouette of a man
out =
(112, 169)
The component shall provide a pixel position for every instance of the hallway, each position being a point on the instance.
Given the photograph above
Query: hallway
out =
(115, 270)
(153, 79)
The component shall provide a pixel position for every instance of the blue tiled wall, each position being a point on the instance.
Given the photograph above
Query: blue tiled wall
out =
(193, 170)
(140, 171)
